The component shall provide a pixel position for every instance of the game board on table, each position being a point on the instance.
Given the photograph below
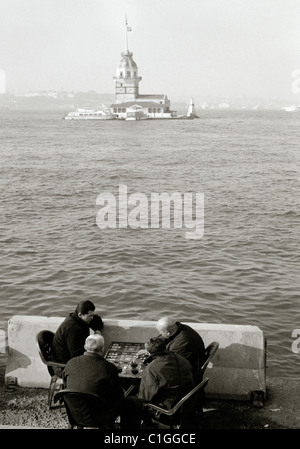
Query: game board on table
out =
(126, 358)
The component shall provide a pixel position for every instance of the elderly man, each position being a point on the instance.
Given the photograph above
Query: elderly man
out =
(91, 373)
(165, 380)
(182, 339)
(167, 376)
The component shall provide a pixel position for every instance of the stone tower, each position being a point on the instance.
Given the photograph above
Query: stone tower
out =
(127, 79)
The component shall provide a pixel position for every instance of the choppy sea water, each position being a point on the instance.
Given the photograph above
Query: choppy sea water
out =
(244, 270)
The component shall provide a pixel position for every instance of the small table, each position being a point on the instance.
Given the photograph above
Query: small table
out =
(124, 356)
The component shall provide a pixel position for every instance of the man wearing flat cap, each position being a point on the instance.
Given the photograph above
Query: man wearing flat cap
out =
(91, 373)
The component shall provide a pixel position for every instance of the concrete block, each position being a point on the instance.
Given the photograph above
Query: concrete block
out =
(237, 370)
(2, 341)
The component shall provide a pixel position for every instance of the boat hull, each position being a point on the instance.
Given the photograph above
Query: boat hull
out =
(96, 117)
(103, 113)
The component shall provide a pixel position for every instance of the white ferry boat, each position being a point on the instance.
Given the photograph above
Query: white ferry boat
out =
(90, 114)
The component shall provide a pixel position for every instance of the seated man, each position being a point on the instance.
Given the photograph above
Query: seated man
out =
(91, 373)
(70, 336)
(182, 339)
(165, 380)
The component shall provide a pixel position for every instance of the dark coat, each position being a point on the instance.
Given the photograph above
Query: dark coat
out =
(91, 373)
(70, 337)
(166, 379)
(188, 343)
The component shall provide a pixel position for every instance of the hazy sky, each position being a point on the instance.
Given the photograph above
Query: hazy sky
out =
(183, 48)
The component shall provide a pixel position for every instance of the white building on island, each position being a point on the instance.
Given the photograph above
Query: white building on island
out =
(128, 101)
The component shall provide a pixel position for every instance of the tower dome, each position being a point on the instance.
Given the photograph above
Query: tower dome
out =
(127, 67)
(127, 61)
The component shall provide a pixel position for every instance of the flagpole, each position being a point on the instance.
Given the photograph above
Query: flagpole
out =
(126, 33)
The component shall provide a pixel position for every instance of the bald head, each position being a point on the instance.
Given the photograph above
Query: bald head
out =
(94, 343)
(166, 326)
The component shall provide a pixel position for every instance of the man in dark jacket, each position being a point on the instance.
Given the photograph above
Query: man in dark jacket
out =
(91, 373)
(70, 336)
(166, 378)
(182, 339)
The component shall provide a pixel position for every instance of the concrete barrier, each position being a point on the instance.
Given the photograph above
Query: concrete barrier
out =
(237, 371)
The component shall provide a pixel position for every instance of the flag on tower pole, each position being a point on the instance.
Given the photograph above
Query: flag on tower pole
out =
(127, 29)
(126, 23)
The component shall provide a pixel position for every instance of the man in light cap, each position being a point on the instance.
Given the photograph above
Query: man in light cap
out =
(91, 373)
(182, 339)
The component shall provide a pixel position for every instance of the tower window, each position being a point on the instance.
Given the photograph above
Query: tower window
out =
(128, 74)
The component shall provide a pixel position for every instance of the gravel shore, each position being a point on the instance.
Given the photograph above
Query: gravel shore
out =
(27, 407)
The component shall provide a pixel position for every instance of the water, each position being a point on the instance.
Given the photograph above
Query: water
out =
(245, 269)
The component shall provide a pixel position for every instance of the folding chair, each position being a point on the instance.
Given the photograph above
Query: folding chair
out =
(85, 410)
(210, 352)
(182, 415)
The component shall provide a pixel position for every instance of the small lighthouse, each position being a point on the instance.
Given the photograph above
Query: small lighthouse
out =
(191, 113)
